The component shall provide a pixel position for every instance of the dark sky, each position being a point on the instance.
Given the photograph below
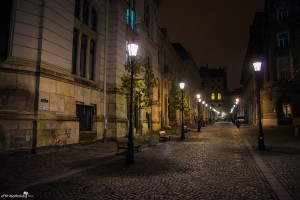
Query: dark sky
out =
(215, 32)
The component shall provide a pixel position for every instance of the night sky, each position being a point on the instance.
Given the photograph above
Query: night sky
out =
(214, 32)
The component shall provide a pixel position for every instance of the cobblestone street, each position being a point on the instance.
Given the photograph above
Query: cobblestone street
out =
(212, 164)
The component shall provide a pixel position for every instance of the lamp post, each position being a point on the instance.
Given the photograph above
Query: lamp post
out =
(132, 50)
(206, 111)
(237, 112)
(210, 120)
(182, 128)
(261, 141)
(203, 122)
(199, 114)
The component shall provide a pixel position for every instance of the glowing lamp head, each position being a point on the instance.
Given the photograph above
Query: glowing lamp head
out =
(181, 85)
(132, 49)
(257, 66)
(198, 96)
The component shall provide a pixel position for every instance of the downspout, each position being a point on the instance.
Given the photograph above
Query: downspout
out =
(104, 75)
(37, 79)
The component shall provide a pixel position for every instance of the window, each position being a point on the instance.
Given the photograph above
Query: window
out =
(93, 20)
(282, 13)
(283, 39)
(130, 13)
(284, 66)
(84, 40)
(219, 96)
(92, 59)
(212, 96)
(147, 17)
(77, 9)
(85, 115)
(127, 54)
(83, 55)
(5, 9)
(85, 13)
(74, 51)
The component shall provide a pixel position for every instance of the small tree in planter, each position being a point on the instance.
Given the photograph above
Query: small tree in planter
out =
(175, 99)
(144, 81)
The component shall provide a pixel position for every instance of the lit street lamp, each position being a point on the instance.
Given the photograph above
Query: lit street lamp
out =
(237, 100)
(182, 128)
(132, 50)
(199, 103)
(261, 141)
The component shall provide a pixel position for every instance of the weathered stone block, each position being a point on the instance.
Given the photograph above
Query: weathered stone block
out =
(65, 89)
(78, 93)
(57, 103)
(70, 105)
(48, 85)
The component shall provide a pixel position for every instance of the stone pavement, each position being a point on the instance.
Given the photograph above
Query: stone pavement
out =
(282, 155)
(213, 164)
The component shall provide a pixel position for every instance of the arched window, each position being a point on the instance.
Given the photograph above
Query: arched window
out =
(219, 96)
(212, 96)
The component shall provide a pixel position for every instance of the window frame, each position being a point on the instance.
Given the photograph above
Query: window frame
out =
(5, 28)
(283, 42)
(85, 114)
(87, 40)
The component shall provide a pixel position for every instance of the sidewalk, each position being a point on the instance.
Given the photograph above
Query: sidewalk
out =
(23, 169)
(282, 155)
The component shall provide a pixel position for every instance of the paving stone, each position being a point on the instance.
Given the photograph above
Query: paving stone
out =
(213, 164)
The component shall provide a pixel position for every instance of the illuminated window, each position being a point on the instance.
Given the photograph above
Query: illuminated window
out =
(130, 13)
(212, 96)
(127, 54)
(219, 96)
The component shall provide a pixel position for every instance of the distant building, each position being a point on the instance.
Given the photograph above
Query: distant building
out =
(215, 88)
(275, 41)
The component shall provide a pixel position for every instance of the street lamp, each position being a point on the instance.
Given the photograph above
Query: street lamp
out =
(237, 100)
(181, 85)
(132, 50)
(206, 114)
(203, 102)
(199, 122)
(210, 120)
(261, 141)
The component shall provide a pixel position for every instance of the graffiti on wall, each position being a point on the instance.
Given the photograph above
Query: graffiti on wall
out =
(60, 136)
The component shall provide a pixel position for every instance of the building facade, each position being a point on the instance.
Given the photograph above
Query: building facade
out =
(61, 64)
(215, 91)
(275, 42)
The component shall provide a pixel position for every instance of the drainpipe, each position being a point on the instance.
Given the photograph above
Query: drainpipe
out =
(37, 79)
(104, 76)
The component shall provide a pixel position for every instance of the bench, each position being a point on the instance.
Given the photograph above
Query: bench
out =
(163, 136)
(122, 147)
